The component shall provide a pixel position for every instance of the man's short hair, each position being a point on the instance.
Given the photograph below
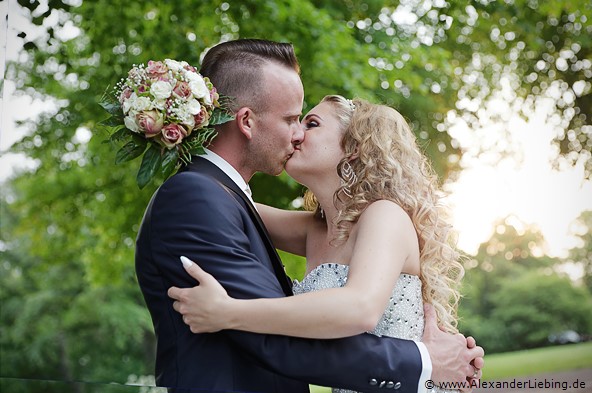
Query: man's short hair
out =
(234, 67)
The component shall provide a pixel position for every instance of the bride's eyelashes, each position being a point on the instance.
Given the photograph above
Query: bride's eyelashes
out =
(311, 124)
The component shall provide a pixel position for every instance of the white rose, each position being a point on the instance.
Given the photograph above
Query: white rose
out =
(142, 104)
(129, 103)
(161, 90)
(208, 99)
(192, 76)
(173, 65)
(188, 120)
(159, 104)
(130, 123)
(192, 106)
(183, 113)
(198, 88)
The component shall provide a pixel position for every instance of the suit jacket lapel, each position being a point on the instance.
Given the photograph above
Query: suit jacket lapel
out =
(202, 165)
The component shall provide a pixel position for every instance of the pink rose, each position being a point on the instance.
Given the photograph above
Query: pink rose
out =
(182, 90)
(201, 119)
(133, 73)
(125, 94)
(156, 68)
(150, 123)
(214, 96)
(173, 134)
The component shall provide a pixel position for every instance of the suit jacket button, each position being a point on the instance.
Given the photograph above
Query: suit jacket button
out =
(373, 382)
(397, 385)
(382, 384)
(390, 384)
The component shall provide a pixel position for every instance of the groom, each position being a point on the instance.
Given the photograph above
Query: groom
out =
(206, 213)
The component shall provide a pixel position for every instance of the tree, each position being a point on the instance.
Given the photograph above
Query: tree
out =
(543, 49)
(61, 325)
(582, 255)
(533, 306)
(514, 298)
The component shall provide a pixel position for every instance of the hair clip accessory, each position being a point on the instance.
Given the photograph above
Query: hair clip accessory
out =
(351, 104)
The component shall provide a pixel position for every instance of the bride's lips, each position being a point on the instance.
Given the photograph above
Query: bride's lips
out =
(293, 151)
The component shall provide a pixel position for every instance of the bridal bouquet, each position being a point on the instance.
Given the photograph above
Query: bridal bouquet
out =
(165, 111)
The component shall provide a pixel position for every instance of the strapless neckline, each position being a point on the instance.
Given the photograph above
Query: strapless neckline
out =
(403, 317)
(329, 264)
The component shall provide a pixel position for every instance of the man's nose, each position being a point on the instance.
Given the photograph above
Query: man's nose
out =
(298, 135)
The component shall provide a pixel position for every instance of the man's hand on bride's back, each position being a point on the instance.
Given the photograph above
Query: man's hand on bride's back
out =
(454, 357)
(204, 307)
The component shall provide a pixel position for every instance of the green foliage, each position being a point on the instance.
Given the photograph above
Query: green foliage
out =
(295, 265)
(61, 327)
(583, 255)
(534, 305)
(545, 47)
(151, 162)
(514, 300)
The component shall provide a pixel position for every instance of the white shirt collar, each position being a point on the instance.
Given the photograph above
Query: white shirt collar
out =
(230, 171)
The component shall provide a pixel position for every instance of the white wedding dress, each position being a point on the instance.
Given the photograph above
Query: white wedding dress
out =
(403, 317)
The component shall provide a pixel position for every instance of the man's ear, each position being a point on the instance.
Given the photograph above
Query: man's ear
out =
(244, 121)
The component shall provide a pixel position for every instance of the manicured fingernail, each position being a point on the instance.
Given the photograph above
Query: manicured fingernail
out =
(186, 262)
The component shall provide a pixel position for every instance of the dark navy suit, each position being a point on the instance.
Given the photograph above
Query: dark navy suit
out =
(202, 214)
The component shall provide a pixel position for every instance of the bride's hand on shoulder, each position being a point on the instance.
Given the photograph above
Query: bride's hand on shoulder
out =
(205, 308)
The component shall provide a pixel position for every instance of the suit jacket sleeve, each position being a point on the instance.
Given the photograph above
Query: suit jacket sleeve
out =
(192, 215)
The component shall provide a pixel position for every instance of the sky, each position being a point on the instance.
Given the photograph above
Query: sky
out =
(523, 184)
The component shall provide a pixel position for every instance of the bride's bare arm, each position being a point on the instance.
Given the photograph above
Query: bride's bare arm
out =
(287, 228)
(385, 240)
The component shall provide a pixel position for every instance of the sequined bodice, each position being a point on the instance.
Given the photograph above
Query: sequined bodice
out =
(403, 317)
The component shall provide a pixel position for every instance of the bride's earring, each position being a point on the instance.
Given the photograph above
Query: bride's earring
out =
(348, 178)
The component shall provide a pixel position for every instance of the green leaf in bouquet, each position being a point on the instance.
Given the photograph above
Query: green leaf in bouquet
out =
(185, 153)
(203, 138)
(112, 121)
(112, 107)
(197, 150)
(109, 103)
(130, 150)
(149, 166)
(206, 135)
(111, 130)
(119, 135)
(170, 159)
(220, 116)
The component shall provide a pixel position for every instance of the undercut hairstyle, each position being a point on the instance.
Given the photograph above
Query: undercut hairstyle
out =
(235, 69)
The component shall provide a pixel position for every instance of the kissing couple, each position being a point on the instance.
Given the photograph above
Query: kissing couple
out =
(375, 240)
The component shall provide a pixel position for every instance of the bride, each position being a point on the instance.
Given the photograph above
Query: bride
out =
(375, 238)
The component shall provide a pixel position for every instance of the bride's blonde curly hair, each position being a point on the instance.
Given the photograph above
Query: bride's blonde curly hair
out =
(382, 150)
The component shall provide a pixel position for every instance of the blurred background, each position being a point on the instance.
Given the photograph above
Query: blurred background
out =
(499, 94)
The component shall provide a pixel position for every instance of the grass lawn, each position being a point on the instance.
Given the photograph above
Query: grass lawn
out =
(501, 366)
(537, 361)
